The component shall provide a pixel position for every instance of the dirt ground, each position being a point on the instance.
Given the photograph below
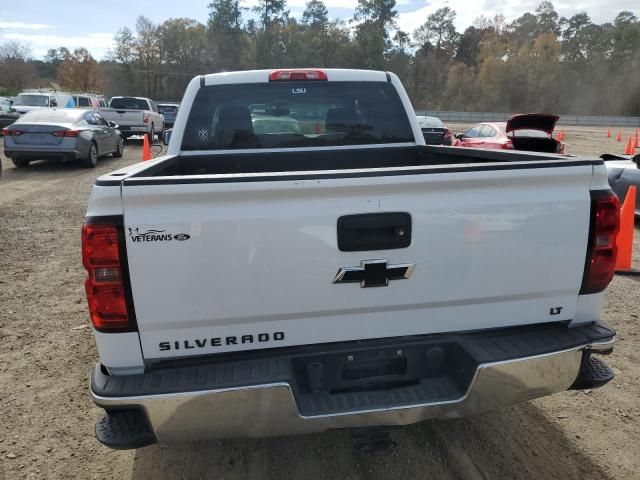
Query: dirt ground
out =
(46, 350)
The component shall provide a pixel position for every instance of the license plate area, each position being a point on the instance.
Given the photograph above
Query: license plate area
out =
(383, 368)
(36, 139)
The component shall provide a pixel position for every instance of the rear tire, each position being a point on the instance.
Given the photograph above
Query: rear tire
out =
(92, 158)
(119, 149)
(20, 162)
(152, 133)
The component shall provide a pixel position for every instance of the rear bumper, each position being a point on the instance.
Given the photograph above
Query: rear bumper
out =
(134, 129)
(51, 154)
(269, 395)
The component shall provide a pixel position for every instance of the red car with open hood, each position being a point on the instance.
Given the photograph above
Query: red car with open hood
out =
(530, 131)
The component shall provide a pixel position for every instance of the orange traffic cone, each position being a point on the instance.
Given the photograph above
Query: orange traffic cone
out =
(146, 150)
(561, 135)
(635, 141)
(609, 133)
(629, 148)
(624, 240)
(619, 136)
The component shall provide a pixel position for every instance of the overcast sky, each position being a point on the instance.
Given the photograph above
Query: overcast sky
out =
(45, 24)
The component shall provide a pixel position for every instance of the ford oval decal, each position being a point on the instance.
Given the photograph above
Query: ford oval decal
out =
(181, 236)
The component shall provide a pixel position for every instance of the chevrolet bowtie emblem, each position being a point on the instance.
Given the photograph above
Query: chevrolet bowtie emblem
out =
(374, 273)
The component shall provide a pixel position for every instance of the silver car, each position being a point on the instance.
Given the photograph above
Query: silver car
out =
(624, 172)
(61, 134)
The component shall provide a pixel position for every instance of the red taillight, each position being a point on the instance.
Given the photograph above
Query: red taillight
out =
(104, 285)
(508, 145)
(601, 256)
(145, 117)
(66, 133)
(295, 75)
(11, 133)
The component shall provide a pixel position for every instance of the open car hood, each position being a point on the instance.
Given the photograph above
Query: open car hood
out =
(532, 121)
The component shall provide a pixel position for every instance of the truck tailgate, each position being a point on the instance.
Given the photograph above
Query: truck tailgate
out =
(228, 266)
(123, 117)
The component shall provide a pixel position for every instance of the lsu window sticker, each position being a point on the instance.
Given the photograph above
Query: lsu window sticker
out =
(139, 236)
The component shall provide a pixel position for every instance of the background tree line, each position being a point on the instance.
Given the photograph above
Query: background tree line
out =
(538, 62)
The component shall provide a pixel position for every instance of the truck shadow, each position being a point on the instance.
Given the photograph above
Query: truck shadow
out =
(38, 167)
(517, 443)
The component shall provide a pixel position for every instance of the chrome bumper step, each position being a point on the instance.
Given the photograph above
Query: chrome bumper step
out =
(387, 382)
(124, 430)
(594, 373)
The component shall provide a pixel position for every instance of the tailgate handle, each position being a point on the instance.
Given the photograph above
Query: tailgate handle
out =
(374, 231)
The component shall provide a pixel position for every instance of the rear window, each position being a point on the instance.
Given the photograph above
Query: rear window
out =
(129, 103)
(430, 122)
(50, 115)
(486, 131)
(32, 100)
(473, 132)
(167, 109)
(82, 102)
(296, 114)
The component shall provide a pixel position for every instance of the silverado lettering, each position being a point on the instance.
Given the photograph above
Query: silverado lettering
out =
(219, 341)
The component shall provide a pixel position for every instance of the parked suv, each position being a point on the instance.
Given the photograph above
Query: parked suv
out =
(170, 112)
(87, 101)
(33, 100)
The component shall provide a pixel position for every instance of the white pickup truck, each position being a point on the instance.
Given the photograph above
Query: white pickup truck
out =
(135, 116)
(328, 270)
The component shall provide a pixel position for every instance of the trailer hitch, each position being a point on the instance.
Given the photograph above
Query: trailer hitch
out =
(373, 441)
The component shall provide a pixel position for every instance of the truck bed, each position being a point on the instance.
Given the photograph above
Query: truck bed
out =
(330, 162)
(472, 214)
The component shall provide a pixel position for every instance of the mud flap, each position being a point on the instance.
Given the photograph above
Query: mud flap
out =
(375, 441)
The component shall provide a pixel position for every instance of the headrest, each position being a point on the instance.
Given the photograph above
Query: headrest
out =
(235, 117)
(341, 119)
(234, 125)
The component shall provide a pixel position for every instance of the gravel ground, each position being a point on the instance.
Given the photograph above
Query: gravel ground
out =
(46, 350)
